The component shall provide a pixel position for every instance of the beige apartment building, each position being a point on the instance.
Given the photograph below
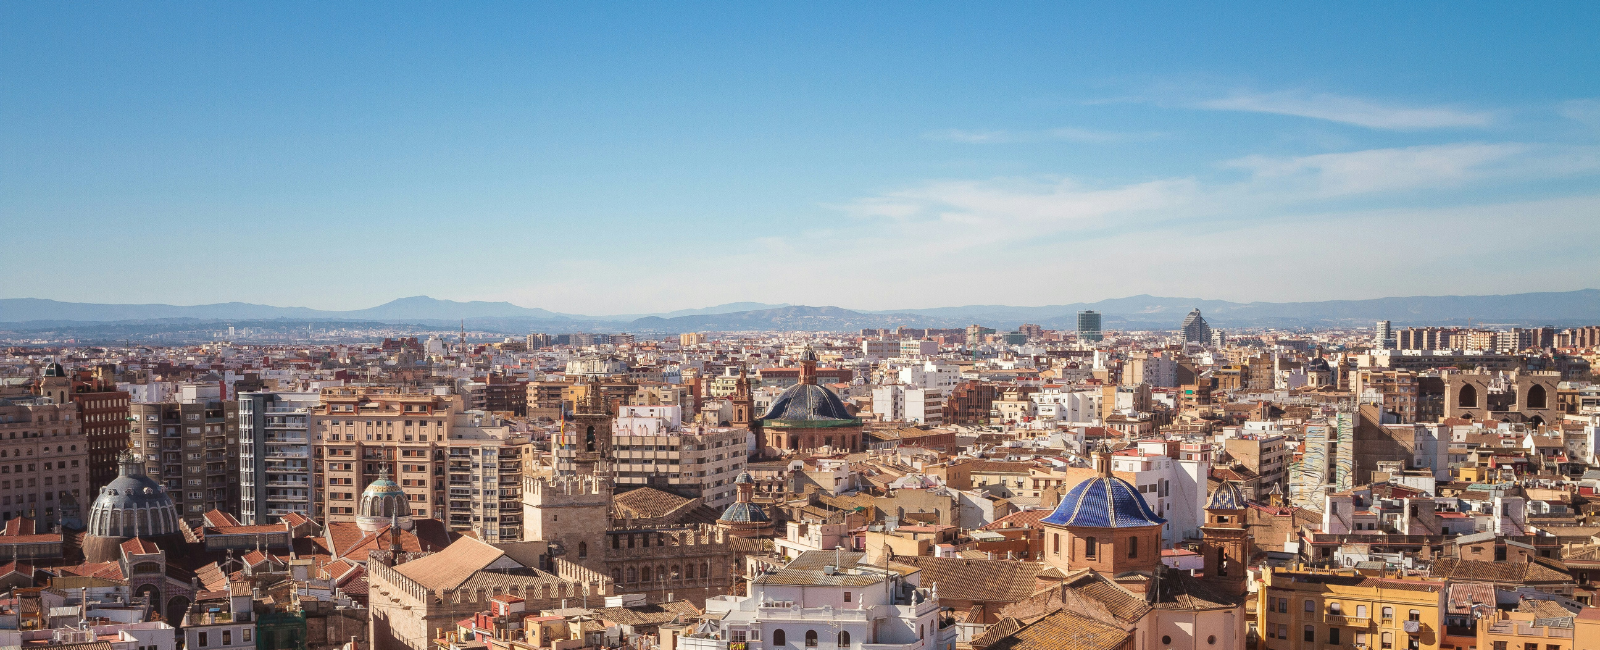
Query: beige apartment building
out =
(43, 459)
(460, 467)
(361, 432)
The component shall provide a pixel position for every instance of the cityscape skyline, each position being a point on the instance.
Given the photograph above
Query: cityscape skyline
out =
(636, 163)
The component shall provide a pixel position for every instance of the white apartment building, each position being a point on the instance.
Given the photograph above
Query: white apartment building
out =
(651, 447)
(917, 349)
(1067, 406)
(275, 455)
(825, 599)
(1175, 489)
(897, 403)
(931, 374)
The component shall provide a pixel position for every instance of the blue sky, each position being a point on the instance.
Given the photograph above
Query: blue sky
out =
(591, 158)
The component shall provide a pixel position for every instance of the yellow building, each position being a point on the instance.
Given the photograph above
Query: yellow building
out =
(1305, 609)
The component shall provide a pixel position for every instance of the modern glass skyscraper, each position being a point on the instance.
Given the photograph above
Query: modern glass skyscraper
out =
(1089, 326)
(1195, 328)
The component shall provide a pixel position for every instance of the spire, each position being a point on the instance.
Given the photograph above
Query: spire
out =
(1102, 459)
(808, 366)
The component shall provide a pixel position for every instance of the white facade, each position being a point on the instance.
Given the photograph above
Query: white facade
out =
(855, 607)
(879, 349)
(1175, 489)
(274, 455)
(1067, 406)
(931, 374)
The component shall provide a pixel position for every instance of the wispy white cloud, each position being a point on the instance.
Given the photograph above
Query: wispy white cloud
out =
(1586, 111)
(1069, 134)
(1351, 110)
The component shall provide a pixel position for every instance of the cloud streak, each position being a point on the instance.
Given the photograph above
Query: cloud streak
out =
(1351, 110)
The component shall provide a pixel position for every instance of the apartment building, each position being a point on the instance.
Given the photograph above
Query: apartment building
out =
(359, 433)
(191, 445)
(1266, 455)
(651, 447)
(102, 411)
(44, 458)
(898, 403)
(275, 475)
(484, 477)
(1300, 609)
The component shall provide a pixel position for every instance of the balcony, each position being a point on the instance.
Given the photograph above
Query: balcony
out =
(1347, 621)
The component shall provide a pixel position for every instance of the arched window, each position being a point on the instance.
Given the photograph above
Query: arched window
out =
(616, 575)
(588, 439)
(1536, 397)
(1468, 397)
(633, 574)
(645, 574)
(1056, 542)
(688, 571)
(583, 549)
(844, 639)
(676, 573)
(779, 639)
(811, 638)
(705, 570)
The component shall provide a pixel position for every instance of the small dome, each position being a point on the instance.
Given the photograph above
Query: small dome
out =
(54, 369)
(382, 504)
(744, 478)
(741, 512)
(1104, 502)
(1318, 364)
(808, 354)
(1227, 497)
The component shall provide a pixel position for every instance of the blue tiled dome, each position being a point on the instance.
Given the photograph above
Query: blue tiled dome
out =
(743, 513)
(1227, 497)
(1104, 502)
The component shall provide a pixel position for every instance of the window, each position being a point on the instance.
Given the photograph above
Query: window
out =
(1311, 605)
(1361, 611)
(846, 595)
(583, 549)
(227, 637)
(1416, 615)
(1499, 645)
(844, 639)
(1388, 640)
(1133, 547)
(811, 638)
(1388, 613)
(204, 641)
(1333, 636)
(1335, 609)
(1311, 634)
(1057, 542)
(778, 638)
(1089, 547)
(1283, 605)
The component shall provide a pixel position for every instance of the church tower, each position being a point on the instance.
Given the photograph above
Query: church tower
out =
(1224, 542)
(744, 404)
(585, 438)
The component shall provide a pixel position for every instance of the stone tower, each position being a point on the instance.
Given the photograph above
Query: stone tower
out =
(1224, 542)
(571, 512)
(585, 438)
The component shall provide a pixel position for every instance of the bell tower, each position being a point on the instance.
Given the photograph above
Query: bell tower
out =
(743, 404)
(1224, 542)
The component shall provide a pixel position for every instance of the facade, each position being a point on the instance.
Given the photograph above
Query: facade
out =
(900, 403)
(192, 447)
(1299, 609)
(43, 460)
(1089, 326)
(812, 602)
(1195, 328)
(651, 447)
(102, 411)
(275, 475)
(484, 472)
(361, 432)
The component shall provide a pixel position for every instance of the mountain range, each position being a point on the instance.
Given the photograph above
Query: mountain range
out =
(1134, 312)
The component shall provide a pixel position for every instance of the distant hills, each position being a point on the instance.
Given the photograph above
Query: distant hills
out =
(1134, 312)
